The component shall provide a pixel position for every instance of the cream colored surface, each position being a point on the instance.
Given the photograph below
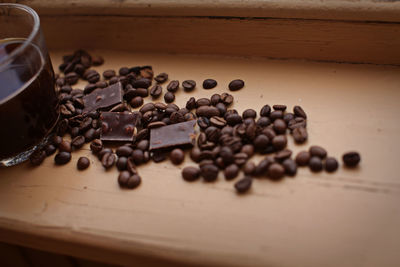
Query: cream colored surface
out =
(349, 218)
(365, 10)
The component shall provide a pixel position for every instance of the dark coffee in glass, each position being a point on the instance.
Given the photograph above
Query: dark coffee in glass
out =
(28, 101)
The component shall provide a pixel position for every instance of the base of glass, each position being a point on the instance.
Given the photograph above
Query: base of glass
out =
(23, 156)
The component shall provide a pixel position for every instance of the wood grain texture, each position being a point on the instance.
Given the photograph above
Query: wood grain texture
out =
(349, 218)
(355, 42)
(366, 10)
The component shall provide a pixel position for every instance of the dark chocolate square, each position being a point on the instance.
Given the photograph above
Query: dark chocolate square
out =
(103, 98)
(179, 134)
(118, 126)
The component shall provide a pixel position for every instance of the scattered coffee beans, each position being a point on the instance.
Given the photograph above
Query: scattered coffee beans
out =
(331, 164)
(315, 164)
(177, 156)
(190, 173)
(243, 185)
(209, 84)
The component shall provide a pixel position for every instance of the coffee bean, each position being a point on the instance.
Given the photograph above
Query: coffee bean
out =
(302, 158)
(176, 117)
(227, 99)
(221, 108)
(161, 78)
(123, 71)
(191, 103)
(177, 156)
(233, 119)
(141, 83)
(108, 160)
(66, 89)
(92, 77)
(248, 149)
(209, 83)
(190, 173)
(101, 153)
(121, 163)
(50, 149)
(203, 102)
(90, 135)
(207, 111)
(315, 164)
(231, 171)
(243, 185)
(156, 91)
(261, 142)
(189, 85)
(108, 74)
(236, 85)
(143, 92)
(71, 78)
(124, 151)
(78, 142)
(136, 102)
(143, 145)
(240, 158)
(62, 158)
(137, 156)
(249, 113)
(300, 135)
(249, 168)
(263, 122)
(158, 156)
(331, 164)
(169, 97)
(299, 112)
(351, 159)
(56, 140)
(96, 146)
(227, 155)
(265, 111)
(279, 126)
(143, 134)
(128, 180)
(276, 114)
(262, 167)
(217, 121)
(215, 99)
(283, 154)
(212, 134)
(276, 171)
(209, 172)
(60, 81)
(82, 163)
(173, 86)
(37, 157)
(195, 154)
(279, 142)
(65, 146)
(279, 107)
(290, 167)
(318, 152)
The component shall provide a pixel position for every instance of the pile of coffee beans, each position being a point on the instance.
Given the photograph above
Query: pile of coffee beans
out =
(226, 142)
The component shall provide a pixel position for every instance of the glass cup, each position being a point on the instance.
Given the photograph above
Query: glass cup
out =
(28, 100)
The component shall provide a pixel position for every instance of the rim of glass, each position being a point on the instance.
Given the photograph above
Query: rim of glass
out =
(34, 31)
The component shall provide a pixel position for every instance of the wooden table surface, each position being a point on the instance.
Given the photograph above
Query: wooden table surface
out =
(348, 218)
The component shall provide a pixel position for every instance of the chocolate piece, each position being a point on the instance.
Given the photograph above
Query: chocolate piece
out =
(118, 126)
(173, 135)
(103, 98)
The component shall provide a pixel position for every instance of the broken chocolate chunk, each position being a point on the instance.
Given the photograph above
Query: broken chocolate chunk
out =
(103, 98)
(118, 126)
(179, 134)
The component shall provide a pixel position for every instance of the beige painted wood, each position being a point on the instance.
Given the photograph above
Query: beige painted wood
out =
(356, 42)
(366, 10)
(349, 218)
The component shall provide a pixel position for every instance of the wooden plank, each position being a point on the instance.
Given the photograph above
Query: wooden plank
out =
(354, 42)
(349, 218)
(366, 10)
